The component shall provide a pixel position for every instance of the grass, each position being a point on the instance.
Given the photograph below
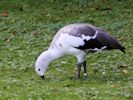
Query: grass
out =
(110, 73)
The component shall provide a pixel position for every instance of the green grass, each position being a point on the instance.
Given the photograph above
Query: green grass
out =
(107, 79)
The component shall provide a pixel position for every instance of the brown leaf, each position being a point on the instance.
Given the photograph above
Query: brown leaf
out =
(125, 71)
(7, 39)
(5, 14)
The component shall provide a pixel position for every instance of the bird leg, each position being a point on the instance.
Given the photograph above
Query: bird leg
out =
(78, 70)
(85, 70)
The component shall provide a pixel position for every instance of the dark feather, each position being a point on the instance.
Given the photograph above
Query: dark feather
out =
(102, 39)
(109, 41)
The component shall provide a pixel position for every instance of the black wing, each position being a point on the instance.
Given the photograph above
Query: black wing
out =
(102, 39)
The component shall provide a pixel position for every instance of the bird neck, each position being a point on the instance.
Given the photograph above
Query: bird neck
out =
(49, 55)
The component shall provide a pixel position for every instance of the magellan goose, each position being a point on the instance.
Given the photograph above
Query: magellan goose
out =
(78, 40)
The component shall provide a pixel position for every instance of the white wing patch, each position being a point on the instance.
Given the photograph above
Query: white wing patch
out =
(90, 37)
(96, 49)
(67, 40)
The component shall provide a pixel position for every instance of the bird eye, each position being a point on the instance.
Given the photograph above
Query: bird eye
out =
(39, 69)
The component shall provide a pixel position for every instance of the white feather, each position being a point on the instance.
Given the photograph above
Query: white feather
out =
(89, 37)
(96, 49)
(67, 40)
(95, 35)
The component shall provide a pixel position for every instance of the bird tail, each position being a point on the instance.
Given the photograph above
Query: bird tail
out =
(122, 49)
(117, 45)
(111, 42)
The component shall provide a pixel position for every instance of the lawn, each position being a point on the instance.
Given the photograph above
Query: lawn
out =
(27, 28)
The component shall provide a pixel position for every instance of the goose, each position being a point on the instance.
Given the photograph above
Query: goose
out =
(77, 39)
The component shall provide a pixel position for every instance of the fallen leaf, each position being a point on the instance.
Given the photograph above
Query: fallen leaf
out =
(123, 66)
(5, 14)
(7, 39)
(93, 98)
(125, 71)
(35, 33)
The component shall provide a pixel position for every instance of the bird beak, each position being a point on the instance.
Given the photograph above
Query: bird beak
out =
(42, 77)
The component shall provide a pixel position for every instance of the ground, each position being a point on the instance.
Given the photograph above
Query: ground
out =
(27, 28)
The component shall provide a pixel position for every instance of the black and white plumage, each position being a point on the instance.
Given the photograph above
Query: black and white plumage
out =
(78, 40)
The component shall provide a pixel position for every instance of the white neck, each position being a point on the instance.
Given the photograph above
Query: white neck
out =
(49, 55)
(46, 57)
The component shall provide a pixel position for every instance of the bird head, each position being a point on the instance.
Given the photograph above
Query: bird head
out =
(41, 64)
(40, 68)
